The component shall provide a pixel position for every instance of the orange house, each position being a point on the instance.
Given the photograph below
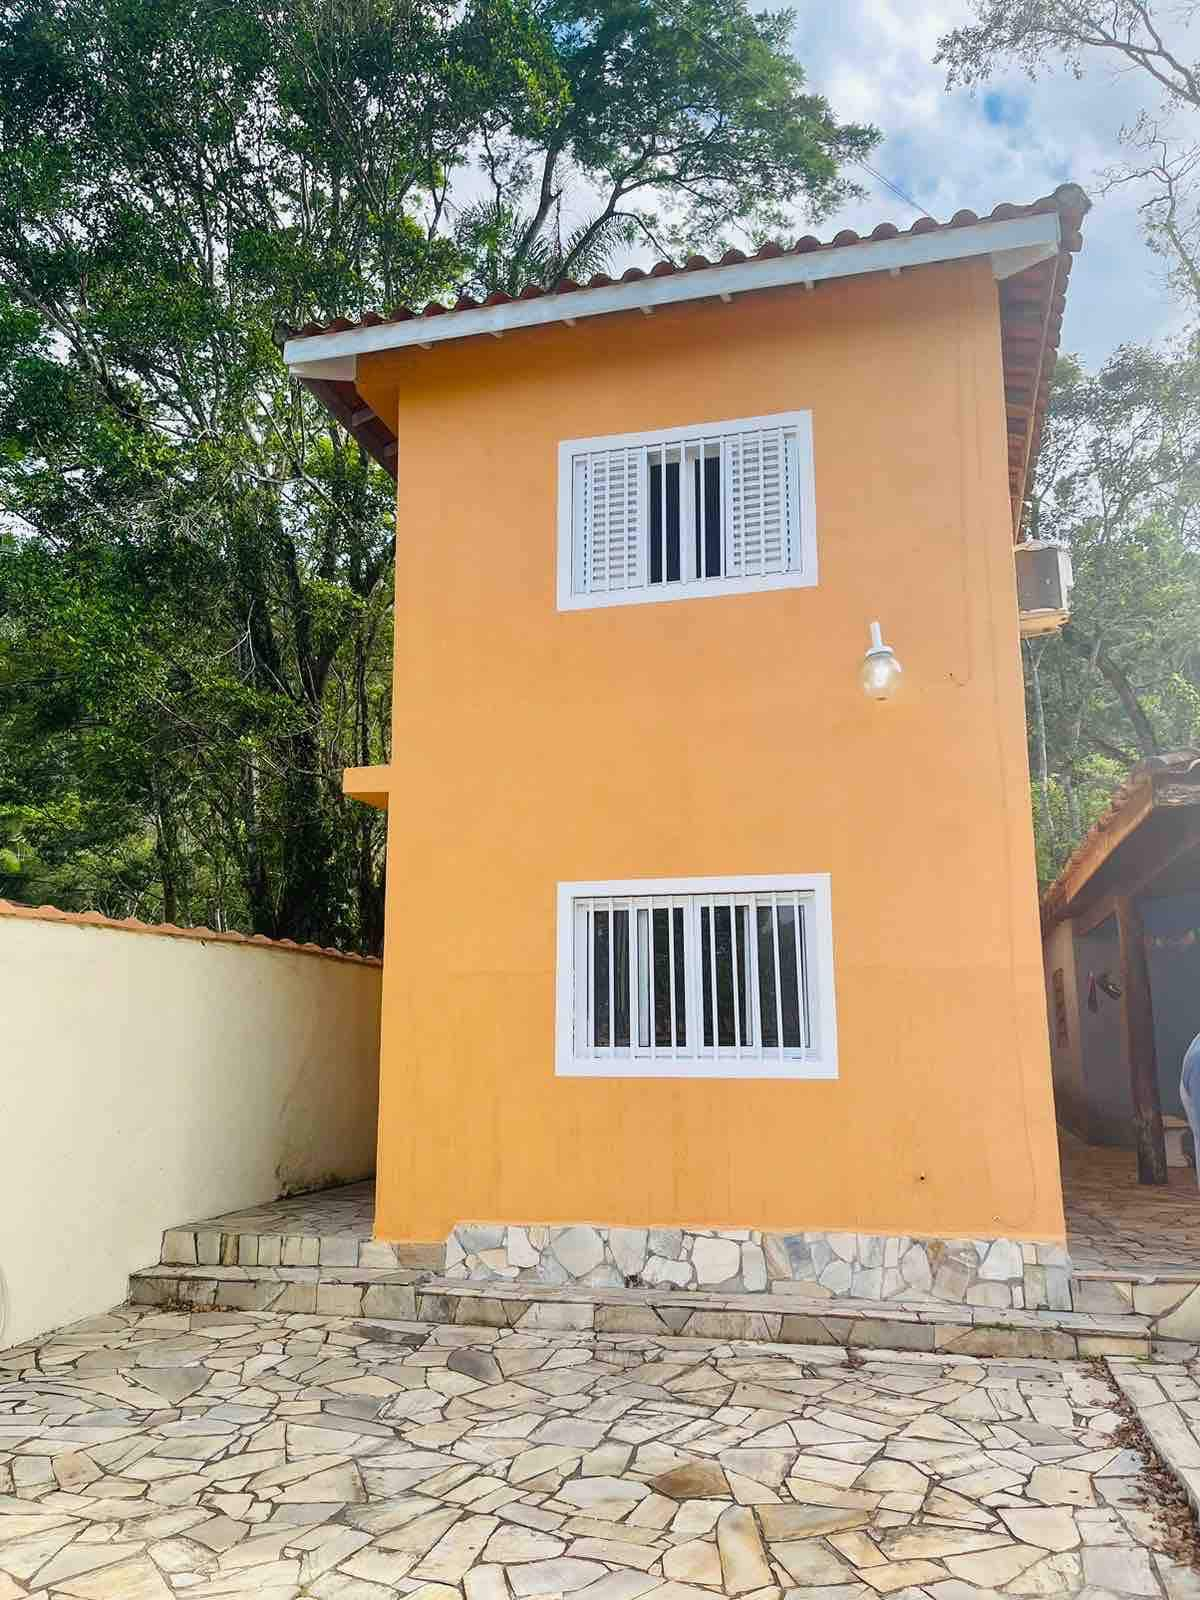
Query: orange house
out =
(703, 967)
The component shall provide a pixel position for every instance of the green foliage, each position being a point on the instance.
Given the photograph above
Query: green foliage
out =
(689, 118)
(1119, 482)
(1151, 43)
(1036, 34)
(195, 562)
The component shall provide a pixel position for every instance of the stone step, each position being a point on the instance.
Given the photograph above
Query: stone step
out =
(1167, 1296)
(213, 1245)
(387, 1291)
(322, 1228)
(787, 1319)
(413, 1295)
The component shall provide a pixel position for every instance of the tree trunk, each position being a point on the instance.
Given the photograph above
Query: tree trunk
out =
(307, 908)
(1117, 680)
(1137, 1016)
(1143, 732)
(166, 850)
(255, 876)
(370, 888)
(1073, 808)
(1041, 753)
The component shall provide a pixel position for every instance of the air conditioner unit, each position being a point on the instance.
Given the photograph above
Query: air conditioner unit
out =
(1044, 581)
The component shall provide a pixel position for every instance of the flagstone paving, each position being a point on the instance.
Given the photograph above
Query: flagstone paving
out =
(1116, 1224)
(147, 1454)
(1165, 1395)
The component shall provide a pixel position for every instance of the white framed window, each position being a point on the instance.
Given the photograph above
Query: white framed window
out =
(696, 978)
(717, 508)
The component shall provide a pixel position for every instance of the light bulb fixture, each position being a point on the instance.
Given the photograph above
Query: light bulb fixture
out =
(880, 671)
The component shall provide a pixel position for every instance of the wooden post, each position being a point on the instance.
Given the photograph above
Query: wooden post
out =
(1137, 1013)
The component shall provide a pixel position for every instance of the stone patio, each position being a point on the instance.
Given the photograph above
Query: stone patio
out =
(314, 1254)
(1135, 1279)
(1115, 1224)
(1133, 1247)
(1166, 1397)
(332, 1229)
(148, 1453)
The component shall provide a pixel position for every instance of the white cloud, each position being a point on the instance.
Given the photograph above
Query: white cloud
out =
(873, 59)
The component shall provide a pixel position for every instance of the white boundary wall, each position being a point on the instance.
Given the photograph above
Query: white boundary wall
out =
(148, 1080)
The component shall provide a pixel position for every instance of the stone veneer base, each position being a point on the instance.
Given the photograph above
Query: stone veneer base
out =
(1001, 1274)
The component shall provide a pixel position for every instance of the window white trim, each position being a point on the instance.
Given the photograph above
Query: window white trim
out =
(576, 1056)
(799, 530)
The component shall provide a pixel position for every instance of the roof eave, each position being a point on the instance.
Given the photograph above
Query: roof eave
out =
(1014, 244)
(1162, 782)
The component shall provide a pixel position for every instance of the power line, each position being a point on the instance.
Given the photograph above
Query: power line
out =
(744, 66)
(894, 187)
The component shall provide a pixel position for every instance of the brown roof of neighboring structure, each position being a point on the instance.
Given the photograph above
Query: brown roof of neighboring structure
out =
(95, 919)
(1155, 790)
(1031, 312)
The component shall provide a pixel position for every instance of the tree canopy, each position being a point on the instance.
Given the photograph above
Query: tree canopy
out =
(1151, 41)
(195, 562)
(1119, 483)
(1119, 476)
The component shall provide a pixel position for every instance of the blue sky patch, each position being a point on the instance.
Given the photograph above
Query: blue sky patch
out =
(1004, 110)
(1012, 141)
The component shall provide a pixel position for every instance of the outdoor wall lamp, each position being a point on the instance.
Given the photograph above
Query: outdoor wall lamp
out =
(880, 671)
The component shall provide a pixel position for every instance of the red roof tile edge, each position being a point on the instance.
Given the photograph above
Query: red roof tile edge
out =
(1068, 200)
(1183, 762)
(257, 941)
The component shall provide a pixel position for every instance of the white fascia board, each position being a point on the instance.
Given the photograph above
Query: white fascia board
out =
(1007, 262)
(343, 369)
(1039, 232)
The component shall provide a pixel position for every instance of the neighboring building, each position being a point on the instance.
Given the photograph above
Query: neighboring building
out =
(643, 528)
(1122, 952)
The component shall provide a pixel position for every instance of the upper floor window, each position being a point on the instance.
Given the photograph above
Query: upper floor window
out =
(719, 508)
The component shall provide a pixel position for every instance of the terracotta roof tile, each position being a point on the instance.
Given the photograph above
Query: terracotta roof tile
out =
(1035, 296)
(1184, 763)
(95, 919)
(1069, 200)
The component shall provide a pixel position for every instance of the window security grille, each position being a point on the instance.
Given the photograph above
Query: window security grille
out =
(660, 516)
(659, 980)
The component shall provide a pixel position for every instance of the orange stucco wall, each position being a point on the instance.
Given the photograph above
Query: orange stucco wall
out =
(717, 736)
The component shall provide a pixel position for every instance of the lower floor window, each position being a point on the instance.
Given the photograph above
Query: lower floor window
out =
(696, 977)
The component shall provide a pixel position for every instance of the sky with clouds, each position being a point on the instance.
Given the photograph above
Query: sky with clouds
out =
(1011, 140)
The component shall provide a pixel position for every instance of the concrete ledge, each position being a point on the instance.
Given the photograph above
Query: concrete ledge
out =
(1157, 1394)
